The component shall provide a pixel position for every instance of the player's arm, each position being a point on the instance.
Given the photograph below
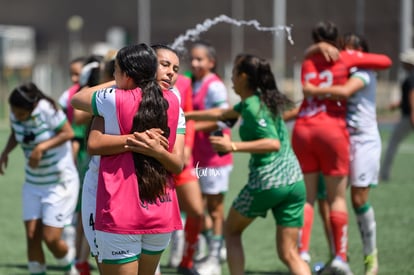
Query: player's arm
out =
(353, 58)
(259, 146)
(148, 143)
(330, 52)
(63, 134)
(214, 114)
(353, 85)
(10, 145)
(291, 114)
(81, 117)
(100, 143)
(411, 99)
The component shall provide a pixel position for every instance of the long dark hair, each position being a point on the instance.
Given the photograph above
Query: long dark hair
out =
(140, 63)
(262, 80)
(26, 96)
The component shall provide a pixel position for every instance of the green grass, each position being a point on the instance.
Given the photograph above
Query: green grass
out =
(392, 201)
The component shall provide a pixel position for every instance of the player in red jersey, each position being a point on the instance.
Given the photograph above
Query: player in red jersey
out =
(320, 138)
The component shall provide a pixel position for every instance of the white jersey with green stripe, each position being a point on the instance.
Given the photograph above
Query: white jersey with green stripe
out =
(361, 115)
(57, 163)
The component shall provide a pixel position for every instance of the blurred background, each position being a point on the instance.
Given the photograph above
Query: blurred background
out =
(39, 38)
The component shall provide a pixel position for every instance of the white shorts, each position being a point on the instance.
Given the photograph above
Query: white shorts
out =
(90, 185)
(365, 160)
(214, 180)
(124, 248)
(54, 204)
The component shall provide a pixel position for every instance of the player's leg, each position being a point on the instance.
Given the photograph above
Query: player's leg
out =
(400, 132)
(235, 225)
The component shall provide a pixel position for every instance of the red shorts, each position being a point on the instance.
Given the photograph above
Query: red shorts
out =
(322, 148)
(186, 176)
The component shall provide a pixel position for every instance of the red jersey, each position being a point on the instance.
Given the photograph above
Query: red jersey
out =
(319, 72)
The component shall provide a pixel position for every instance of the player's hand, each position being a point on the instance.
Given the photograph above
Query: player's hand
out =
(35, 157)
(308, 89)
(329, 52)
(221, 144)
(4, 159)
(147, 143)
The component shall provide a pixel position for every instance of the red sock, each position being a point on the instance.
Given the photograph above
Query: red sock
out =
(306, 230)
(191, 230)
(339, 223)
(83, 268)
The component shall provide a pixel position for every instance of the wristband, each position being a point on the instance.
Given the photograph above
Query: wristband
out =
(233, 147)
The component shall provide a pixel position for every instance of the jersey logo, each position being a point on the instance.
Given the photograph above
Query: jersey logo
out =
(262, 122)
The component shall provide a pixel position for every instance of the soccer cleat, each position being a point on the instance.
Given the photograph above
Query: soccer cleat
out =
(305, 256)
(177, 248)
(187, 271)
(371, 263)
(209, 266)
(337, 267)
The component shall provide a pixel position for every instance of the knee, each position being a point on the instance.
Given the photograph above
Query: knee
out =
(288, 256)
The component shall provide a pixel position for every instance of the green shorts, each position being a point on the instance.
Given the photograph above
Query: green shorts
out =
(286, 202)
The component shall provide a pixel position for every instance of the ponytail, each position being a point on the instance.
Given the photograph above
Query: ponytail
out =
(262, 80)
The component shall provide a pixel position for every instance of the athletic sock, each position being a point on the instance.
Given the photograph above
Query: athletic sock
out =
(367, 227)
(214, 246)
(305, 232)
(192, 229)
(36, 268)
(339, 224)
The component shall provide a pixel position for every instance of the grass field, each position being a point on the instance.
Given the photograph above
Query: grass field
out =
(393, 204)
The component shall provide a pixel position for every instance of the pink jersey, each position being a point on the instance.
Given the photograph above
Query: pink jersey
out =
(119, 208)
(319, 72)
(69, 109)
(203, 153)
(183, 84)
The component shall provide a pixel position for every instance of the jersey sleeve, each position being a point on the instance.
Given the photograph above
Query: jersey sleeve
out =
(104, 105)
(55, 119)
(363, 75)
(308, 71)
(216, 96)
(365, 60)
(187, 105)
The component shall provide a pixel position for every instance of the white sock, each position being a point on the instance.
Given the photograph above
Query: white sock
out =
(368, 229)
(36, 268)
(69, 235)
(215, 245)
(68, 259)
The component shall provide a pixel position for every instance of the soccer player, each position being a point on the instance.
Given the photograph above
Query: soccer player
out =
(327, 152)
(365, 141)
(51, 186)
(275, 180)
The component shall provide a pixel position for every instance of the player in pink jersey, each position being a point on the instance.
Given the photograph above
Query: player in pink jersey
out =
(327, 152)
(186, 183)
(137, 207)
(213, 170)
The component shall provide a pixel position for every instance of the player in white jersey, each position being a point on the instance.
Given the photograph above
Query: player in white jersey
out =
(51, 182)
(365, 142)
